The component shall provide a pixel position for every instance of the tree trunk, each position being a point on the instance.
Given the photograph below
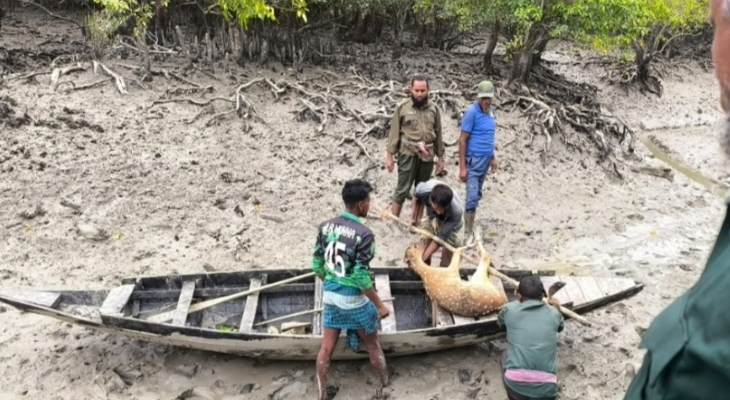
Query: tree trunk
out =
(524, 60)
(537, 55)
(491, 45)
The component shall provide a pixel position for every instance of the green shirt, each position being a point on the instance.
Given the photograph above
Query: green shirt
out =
(688, 343)
(415, 124)
(343, 251)
(532, 342)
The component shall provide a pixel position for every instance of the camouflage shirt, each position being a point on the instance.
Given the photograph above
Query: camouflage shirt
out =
(343, 251)
(416, 124)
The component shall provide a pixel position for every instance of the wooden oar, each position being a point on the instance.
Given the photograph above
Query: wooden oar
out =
(386, 215)
(167, 316)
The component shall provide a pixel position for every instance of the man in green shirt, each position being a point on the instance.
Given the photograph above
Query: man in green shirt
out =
(688, 344)
(416, 136)
(529, 365)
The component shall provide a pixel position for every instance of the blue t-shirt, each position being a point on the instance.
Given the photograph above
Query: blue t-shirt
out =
(480, 127)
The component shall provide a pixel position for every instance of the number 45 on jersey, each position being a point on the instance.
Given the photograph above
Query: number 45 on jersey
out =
(333, 258)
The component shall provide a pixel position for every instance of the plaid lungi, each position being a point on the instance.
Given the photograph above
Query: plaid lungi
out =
(339, 315)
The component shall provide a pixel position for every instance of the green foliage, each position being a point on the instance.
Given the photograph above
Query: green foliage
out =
(242, 11)
(607, 24)
(100, 28)
(141, 14)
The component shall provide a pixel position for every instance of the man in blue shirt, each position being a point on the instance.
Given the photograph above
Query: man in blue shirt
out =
(476, 150)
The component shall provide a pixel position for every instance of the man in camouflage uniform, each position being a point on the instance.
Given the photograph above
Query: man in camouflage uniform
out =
(688, 344)
(417, 138)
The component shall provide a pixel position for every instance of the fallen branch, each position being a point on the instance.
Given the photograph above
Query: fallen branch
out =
(181, 79)
(190, 100)
(59, 72)
(118, 80)
(87, 86)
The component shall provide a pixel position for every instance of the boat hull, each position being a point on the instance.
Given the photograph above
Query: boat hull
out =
(85, 308)
(272, 347)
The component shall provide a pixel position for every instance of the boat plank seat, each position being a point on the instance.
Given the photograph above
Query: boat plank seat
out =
(382, 285)
(440, 316)
(607, 286)
(318, 303)
(117, 299)
(591, 291)
(623, 284)
(574, 291)
(251, 305)
(183, 303)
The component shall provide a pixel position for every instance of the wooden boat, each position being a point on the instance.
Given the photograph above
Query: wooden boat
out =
(414, 325)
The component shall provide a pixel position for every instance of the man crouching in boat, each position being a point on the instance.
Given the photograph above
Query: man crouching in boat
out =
(530, 363)
(445, 217)
(342, 256)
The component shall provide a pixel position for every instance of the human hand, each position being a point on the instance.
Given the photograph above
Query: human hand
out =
(554, 302)
(439, 165)
(383, 311)
(493, 165)
(389, 164)
(462, 174)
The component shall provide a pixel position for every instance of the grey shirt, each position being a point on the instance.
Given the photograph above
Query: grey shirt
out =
(452, 218)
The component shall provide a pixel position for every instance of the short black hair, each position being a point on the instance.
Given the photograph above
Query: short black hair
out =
(442, 195)
(419, 78)
(355, 190)
(531, 288)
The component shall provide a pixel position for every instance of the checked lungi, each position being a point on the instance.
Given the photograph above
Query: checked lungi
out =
(345, 307)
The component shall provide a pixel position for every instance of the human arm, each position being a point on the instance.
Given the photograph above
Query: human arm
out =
(558, 315)
(430, 249)
(417, 210)
(500, 317)
(439, 146)
(365, 252)
(463, 140)
(373, 296)
(493, 165)
(467, 127)
(318, 257)
(393, 140)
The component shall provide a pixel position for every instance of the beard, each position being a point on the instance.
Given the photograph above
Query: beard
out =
(419, 103)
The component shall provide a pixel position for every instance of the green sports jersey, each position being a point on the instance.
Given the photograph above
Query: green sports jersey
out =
(343, 251)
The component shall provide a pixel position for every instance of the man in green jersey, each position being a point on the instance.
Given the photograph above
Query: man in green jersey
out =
(342, 255)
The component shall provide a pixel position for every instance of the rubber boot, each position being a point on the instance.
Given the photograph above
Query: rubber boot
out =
(469, 226)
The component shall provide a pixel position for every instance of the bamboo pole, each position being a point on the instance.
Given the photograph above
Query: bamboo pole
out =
(300, 313)
(167, 316)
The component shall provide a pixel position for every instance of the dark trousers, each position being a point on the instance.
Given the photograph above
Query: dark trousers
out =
(511, 394)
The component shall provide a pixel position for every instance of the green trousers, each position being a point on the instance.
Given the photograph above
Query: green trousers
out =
(411, 172)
